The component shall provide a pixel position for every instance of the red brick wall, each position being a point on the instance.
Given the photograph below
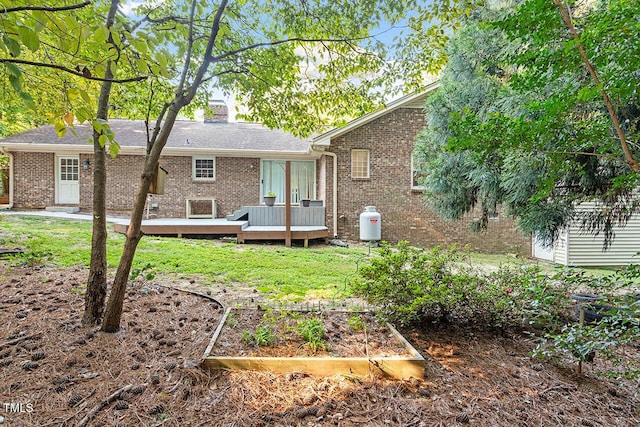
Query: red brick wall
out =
(237, 183)
(390, 140)
(34, 180)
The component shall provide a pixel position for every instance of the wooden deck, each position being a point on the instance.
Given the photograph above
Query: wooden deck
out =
(242, 230)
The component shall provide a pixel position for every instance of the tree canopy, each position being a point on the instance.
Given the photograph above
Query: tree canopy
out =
(539, 112)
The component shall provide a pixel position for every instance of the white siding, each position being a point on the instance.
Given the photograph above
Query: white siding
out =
(586, 250)
(561, 249)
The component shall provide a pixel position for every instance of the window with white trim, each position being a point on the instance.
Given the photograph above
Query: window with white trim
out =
(204, 168)
(359, 164)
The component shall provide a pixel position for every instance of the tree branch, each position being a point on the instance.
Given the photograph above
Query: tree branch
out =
(185, 68)
(45, 8)
(208, 58)
(279, 42)
(70, 71)
(628, 155)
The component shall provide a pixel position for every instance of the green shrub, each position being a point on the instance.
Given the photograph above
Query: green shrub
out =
(606, 338)
(408, 285)
(535, 299)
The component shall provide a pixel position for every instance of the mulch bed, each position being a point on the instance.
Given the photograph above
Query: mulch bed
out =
(59, 373)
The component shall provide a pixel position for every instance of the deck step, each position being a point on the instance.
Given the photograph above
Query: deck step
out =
(239, 215)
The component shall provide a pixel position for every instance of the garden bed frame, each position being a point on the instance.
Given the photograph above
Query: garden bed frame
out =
(398, 367)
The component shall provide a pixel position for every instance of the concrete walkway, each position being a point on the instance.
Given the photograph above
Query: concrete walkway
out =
(65, 215)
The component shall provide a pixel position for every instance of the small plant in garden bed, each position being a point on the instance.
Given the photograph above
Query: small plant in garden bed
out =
(231, 319)
(262, 337)
(356, 323)
(312, 333)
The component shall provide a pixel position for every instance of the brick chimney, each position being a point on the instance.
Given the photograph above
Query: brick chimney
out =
(217, 112)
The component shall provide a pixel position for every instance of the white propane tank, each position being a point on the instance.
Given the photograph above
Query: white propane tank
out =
(370, 224)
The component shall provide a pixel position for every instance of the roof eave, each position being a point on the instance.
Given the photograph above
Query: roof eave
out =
(168, 151)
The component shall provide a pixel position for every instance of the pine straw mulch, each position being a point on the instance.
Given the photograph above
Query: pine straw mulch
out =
(147, 374)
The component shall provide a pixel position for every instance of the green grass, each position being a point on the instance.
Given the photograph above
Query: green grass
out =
(292, 273)
(295, 273)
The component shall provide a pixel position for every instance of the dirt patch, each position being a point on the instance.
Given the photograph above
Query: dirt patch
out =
(53, 372)
(275, 333)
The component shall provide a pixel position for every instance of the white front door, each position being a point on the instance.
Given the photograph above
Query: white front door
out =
(68, 180)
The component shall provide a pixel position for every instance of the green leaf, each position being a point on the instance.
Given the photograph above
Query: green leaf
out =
(13, 69)
(16, 82)
(60, 127)
(102, 33)
(72, 93)
(139, 45)
(141, 66)
(12, 45)
(83, 114)
(85, 96)
(114, 149)
(102, 140)
(29, 38)
(27, 98)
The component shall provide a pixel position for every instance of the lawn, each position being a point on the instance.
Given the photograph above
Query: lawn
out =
(294, 272)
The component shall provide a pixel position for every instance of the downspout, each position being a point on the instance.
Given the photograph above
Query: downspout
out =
(11, 185)
(335, 188)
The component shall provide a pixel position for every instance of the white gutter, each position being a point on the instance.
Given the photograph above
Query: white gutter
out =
(167, 151)
(335, 188)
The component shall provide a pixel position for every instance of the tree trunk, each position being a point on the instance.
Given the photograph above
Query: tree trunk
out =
(113, 312)
(631, 161)
(97, 281)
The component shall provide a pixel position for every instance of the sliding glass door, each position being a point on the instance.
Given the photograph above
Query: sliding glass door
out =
(303, 175)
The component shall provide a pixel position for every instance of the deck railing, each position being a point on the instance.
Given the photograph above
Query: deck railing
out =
(275, 215)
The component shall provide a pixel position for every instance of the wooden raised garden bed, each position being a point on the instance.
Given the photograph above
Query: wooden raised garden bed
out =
(271, 340)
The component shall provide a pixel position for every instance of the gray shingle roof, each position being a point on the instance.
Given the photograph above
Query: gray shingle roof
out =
(185, 134)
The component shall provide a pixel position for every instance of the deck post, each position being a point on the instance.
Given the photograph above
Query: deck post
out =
(287, 204)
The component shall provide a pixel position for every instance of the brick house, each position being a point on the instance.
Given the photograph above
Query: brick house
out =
(372, 156)
(233, 163)
(367, 162)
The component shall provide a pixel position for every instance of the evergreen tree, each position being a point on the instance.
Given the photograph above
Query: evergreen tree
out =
(538, 112)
